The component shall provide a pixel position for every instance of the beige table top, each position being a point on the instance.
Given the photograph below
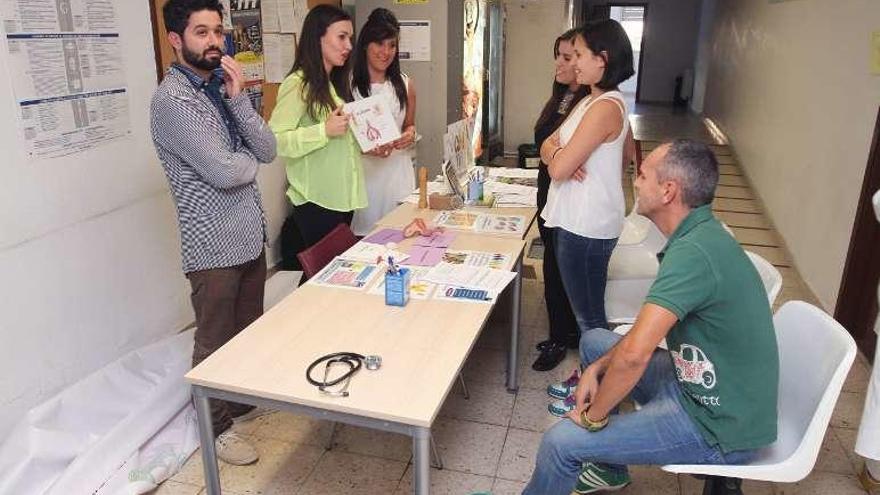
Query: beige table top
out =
(423, 346)
(406, 212)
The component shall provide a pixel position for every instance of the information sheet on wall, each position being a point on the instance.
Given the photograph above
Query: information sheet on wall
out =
(415, 41)
(282, 19)
(66, 66)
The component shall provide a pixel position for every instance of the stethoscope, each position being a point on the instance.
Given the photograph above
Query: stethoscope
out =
(352, 360)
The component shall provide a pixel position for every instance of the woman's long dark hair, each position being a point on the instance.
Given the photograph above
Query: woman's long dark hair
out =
(380, 26)
(316, 85)
(550, 108)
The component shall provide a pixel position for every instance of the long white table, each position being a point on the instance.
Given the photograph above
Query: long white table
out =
(423, 346)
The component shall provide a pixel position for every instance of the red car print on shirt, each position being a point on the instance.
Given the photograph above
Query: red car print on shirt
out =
(692, 366)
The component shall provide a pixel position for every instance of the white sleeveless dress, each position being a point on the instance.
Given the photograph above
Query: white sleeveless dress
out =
(388, 180)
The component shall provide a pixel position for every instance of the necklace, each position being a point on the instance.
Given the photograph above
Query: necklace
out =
(565, 102)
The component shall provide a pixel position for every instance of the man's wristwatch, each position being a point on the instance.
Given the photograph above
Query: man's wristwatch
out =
(592, 426)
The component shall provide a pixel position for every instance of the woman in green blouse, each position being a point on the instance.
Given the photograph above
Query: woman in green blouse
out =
(326, 181)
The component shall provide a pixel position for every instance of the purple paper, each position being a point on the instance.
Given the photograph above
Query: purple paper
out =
(438, 239)
(385, 236)
(424, 256)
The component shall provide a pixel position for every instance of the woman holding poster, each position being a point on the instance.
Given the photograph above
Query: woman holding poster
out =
(388, 169)
(326, 180)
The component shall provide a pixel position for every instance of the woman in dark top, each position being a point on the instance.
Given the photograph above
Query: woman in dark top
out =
(566, 94)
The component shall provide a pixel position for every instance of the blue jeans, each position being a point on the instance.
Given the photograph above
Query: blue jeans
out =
(583, 266)
(661, 432)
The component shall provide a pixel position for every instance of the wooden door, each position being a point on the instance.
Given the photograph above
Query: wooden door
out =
(857, 300)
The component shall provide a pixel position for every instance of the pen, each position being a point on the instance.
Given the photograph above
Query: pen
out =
(392, 268)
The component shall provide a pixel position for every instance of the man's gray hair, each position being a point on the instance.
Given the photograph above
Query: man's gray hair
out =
(693, 165)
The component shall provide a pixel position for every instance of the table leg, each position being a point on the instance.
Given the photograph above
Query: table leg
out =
(512, 381)
(206, 438)
(421, 460)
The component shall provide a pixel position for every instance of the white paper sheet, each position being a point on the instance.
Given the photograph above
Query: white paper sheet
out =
(368, 252)
(65, 59)
(478, 259)
(492, 281)
(372, 121)
(419, 288)
(269, 13)
(415, 41)
(529, 173)
(346, 274)
(279, 52)
(291, 14)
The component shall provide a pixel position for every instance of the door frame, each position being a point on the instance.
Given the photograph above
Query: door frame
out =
(856, 307)
(641, 45)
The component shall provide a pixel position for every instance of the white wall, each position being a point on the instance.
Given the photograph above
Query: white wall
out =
(429, 77)
(89, 247)
(703, 57)
(670, 41)
(531, 28)
(789, 83)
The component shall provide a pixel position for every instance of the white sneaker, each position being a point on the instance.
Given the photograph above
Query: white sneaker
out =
(235, 450)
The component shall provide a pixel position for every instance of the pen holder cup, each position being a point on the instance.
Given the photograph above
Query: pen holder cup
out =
(475, 190)
(397, 287)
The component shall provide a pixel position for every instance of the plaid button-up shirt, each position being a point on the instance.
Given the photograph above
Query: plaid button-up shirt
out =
(212, 169)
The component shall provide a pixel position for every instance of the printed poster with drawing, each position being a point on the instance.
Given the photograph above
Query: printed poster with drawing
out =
(347, 274)
(457, 219)
(496, 261)
(502, 224)
(418, 287)
(372, 121)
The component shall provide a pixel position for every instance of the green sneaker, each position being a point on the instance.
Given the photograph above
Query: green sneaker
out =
(594, 478)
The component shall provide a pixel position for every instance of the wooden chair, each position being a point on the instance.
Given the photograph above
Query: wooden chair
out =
(322, 252)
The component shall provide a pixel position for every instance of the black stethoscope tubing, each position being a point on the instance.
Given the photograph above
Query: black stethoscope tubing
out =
(352, 359)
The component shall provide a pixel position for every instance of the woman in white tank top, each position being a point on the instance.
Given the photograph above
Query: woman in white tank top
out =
(585, 160)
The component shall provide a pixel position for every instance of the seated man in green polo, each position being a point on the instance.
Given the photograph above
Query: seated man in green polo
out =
(709, 399)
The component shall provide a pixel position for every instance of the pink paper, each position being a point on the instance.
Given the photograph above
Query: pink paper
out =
(385, 236)
(438, 239)
(424, 256)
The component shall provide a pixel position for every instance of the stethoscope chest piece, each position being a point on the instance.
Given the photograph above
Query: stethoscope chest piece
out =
(373, 362)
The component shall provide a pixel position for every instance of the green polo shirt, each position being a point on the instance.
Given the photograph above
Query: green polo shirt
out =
(723, 344)
(320, 169)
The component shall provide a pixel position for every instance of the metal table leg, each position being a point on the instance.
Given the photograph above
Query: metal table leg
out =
(512, 379)
(206, 438)
(421, 460)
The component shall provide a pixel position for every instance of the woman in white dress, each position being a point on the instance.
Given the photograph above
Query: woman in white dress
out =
(388, 170)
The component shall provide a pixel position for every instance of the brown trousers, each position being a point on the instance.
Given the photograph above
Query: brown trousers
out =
(225, 300)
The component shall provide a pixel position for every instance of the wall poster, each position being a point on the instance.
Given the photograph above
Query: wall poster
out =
(247, 47)
(66, 68)
(473, 69)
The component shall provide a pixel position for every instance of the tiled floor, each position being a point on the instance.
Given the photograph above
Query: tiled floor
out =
(488, 443)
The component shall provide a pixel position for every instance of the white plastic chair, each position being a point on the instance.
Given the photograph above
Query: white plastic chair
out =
(639, 231)
(631, 271)
(815, 355)
(633, 268)
(770, 276)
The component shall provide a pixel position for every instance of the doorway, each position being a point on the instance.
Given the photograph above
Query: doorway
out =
(632, 18)
(856, 306)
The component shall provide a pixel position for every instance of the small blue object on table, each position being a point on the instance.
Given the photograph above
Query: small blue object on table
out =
(397, 287)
